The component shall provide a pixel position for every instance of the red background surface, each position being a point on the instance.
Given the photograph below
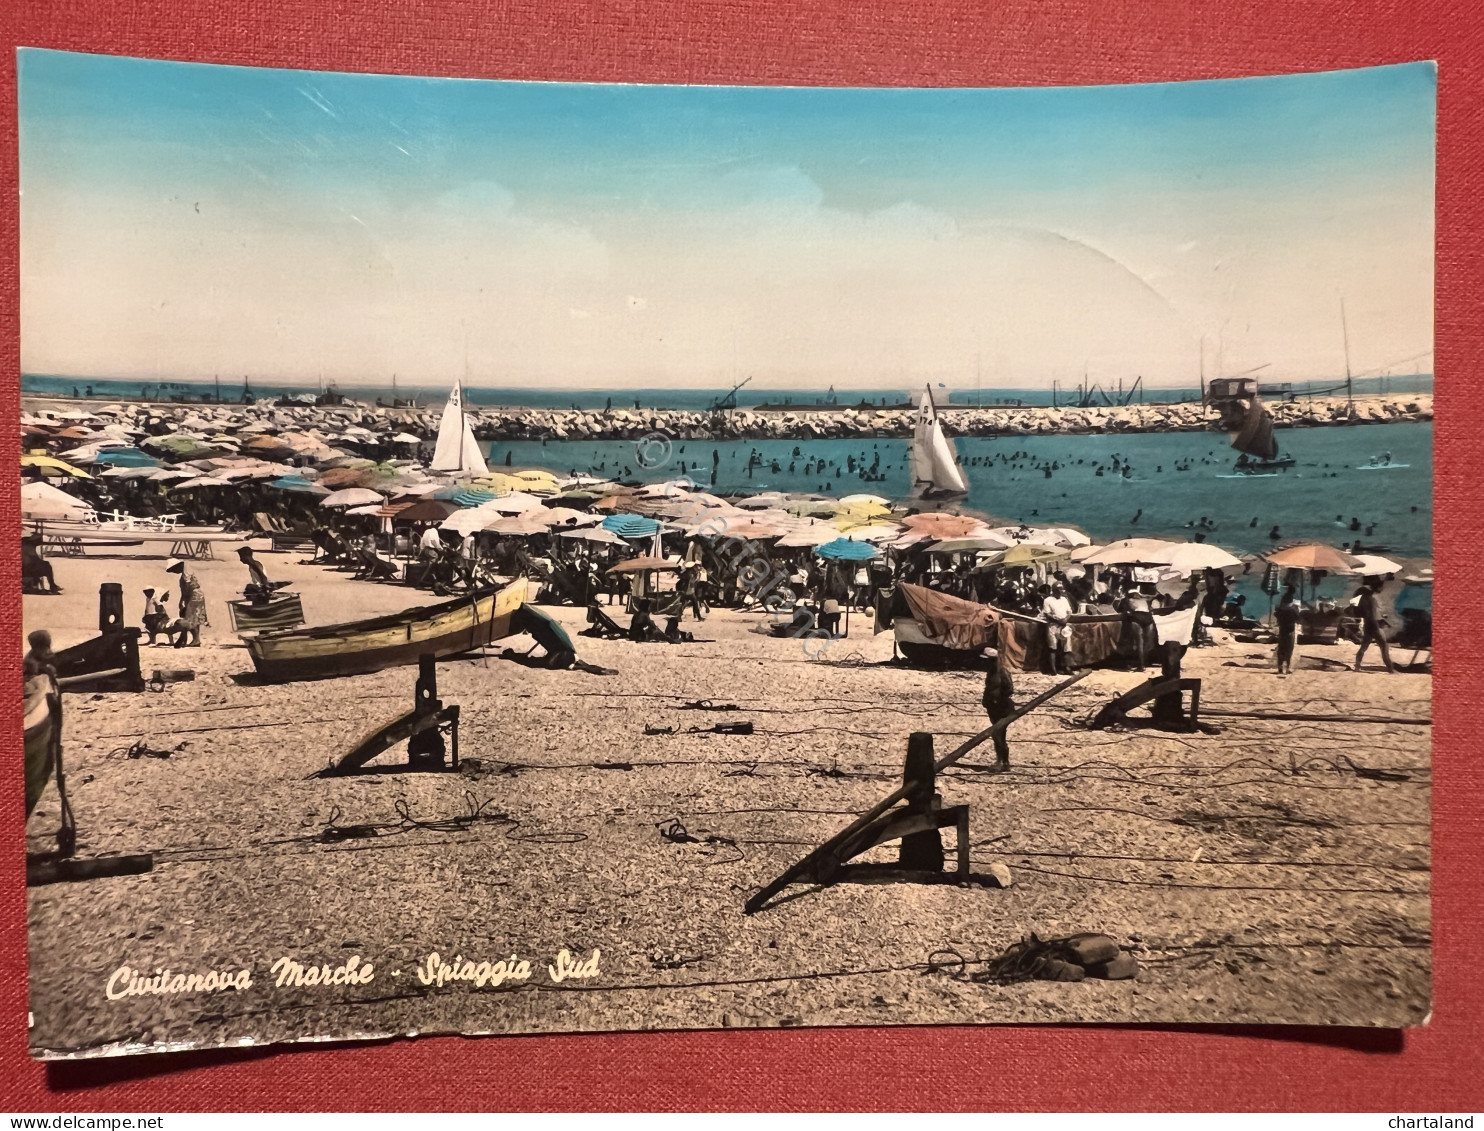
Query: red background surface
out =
(886, 42)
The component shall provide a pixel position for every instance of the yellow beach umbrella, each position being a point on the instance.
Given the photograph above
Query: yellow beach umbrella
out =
(51, 465)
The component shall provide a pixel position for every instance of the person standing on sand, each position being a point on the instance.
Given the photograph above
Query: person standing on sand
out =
(1370, 624)
(999, 703)
(1058, 613)
(187, 630)
(1287, 616)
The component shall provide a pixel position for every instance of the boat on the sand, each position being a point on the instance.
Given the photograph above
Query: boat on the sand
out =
(461, 625)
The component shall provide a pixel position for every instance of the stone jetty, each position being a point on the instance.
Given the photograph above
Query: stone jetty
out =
(501, 423)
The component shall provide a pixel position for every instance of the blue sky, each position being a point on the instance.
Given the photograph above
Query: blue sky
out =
(184, 220)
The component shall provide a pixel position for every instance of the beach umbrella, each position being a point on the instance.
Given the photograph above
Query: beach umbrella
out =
(406, 438)
(812, 508)
(937, 524)
(1313, 555)
(127, 473)
(816, 534)
(1027, 554)
(631, 525)
(514, 503)
(566, 516)
(125, 457)
(843, 549)
(51, 465)
(202, 481)
(594, 534)
(850, 500)
(762, 501)
(878, 532)
(166, 474)
(426, 510)
(1126, 551)
(522, 525)
(641, 563)
(965, 545)
(1374, 565)
(370, 510)
(1188, 557)
(41, 500)
(352, 497)
(470, 496)
(298, 485)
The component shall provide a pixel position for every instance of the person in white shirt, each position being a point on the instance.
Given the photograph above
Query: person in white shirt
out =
(430, 546)
(1058, 612)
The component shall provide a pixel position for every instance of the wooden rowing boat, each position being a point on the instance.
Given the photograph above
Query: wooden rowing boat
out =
(460, 625)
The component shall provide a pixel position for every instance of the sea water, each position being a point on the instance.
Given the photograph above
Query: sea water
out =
(1316, 500)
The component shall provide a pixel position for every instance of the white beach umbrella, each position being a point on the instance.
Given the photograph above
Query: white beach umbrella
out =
(879, 532)
(816, 534)
(41, 500)
(1374, 565)
(515, 503)
(1188, 557)
(1127, 551)
(593, 534)
(202, 481)
(848, 499)
(352, 497)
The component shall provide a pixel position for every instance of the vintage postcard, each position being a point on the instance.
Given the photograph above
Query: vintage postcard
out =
(518, 557)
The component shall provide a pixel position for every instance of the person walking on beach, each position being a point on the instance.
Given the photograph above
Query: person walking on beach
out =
(1058, 613)
(1370, 624)
(186, 631)
(999, 703)
(1287, 616)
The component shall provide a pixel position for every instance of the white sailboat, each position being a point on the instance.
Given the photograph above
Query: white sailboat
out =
(457, 449)
(935, 466)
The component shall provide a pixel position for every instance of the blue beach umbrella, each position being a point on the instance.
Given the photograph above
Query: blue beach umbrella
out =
(845, 550)
(631, 525)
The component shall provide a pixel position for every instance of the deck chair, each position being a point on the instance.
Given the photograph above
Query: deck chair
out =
(603, 626)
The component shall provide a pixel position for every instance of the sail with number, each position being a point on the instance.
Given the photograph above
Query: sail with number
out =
(457, 448)
(935, 466)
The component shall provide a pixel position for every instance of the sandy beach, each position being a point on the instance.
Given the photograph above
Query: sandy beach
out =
(1255, 873)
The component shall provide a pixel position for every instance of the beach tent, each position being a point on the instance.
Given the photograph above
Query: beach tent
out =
(41, 500)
